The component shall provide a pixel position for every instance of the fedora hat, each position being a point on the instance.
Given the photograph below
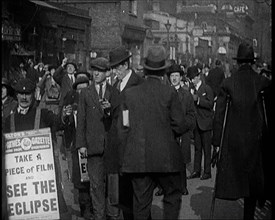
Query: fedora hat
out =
(118, 55)
(245, 53)
(156, 59)
(100, 63)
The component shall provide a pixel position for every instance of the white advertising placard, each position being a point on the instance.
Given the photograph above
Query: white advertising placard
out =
(30, 175)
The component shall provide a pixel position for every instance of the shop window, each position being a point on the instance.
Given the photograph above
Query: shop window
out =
(156, 6)
(133, 7)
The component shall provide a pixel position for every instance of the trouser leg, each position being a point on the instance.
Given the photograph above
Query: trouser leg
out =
(198, 151)
(143, 187)
(206, 145)
(172, 185)
(183, 178)
(249, 208)
(97, 186)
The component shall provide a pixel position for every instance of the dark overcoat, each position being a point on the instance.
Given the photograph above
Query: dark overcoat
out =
(62, 78)
(115, 143)
(204, 108)
(240, 170)
(93, 124)
(188, 108)
(155, 117)
(214, 79)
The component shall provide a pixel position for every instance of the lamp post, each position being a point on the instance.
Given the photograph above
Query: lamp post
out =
(168, 26)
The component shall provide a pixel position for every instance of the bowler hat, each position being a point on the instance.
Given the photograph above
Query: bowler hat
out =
(192, 72)
(72, 62)
(118, 55)
(245, 53)
(24, 86)
(174, 68)
(156, 59)
(100, 63)
(79, 80)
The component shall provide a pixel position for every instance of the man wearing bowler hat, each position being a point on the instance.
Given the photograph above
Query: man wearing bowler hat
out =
(64, 76)
(126, 78)
(27, 116)
(240, 171)
(152, 118)
(203, 98)
(95, 114)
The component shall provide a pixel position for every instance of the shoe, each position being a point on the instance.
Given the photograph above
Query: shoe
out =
(185, 191)
(159, 192)
(194, 175)
(205, 176)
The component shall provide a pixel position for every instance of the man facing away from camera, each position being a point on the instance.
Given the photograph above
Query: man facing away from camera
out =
(152, 117)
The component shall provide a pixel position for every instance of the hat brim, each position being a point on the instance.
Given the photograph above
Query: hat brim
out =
(119, 61)
(71, 64)
(248, 59)
(80, 82)
(166, 65)
(99, 68)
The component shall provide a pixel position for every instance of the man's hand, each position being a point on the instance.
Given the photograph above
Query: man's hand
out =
(105, 104)
(215, 156)
(67, 110)
(64, 62)
(83, 151)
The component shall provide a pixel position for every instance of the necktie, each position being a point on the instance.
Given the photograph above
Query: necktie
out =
(100, 93)
(72, 80)
(118, 85)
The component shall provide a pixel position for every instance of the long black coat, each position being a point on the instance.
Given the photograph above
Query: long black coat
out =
(188, 108)
(114, 143)
(240, 170)
(155, 116)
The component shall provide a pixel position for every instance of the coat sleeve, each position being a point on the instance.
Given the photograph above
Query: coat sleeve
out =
(58, 75)
(207, 101)
(81, 121)
(178, 121)
(190, 112)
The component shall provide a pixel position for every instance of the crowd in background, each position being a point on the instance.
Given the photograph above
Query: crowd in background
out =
(64, 90)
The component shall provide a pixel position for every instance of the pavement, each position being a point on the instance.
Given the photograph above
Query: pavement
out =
(196, 205)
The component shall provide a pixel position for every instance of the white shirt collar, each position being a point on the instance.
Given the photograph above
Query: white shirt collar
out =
(21, 110)
(198, 85)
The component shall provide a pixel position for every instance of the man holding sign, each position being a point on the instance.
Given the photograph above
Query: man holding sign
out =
(27, 117)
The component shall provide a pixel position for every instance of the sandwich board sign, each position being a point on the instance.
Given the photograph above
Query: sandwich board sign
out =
(30, 175)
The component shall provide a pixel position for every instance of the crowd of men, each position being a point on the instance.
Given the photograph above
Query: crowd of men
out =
(136, 129)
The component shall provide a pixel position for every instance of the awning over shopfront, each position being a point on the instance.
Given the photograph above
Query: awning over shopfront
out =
(45, 4)
(134, 33)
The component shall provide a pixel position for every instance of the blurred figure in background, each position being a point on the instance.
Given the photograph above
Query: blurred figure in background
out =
(8, 101)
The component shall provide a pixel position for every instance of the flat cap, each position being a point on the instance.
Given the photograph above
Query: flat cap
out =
(100, 63)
